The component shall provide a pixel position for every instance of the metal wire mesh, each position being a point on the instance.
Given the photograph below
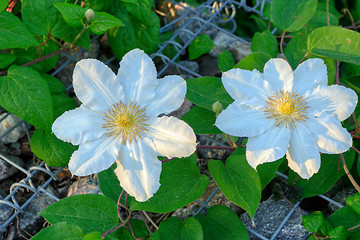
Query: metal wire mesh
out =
(211, 14)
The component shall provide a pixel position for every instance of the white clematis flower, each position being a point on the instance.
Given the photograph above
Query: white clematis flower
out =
(118, 121)
(282, 111)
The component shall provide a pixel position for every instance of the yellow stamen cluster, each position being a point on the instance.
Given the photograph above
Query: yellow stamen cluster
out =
(287, 108)
(126, 121)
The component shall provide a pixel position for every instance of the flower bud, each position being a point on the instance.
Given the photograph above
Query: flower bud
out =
(89, 14)
(217, 107)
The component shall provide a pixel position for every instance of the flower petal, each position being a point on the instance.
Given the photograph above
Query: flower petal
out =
(335, 99)
(138, 169)
(243, 121)
(94, 156)
(79, 125)
(96, 85)
(267, 147)
(172, 137)
(303, 154)
(169, 96)
(137, 74)
(331, 137)
(279, 74)
(309, 75)
(246, 86)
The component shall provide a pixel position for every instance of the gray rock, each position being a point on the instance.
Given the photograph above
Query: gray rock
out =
(191, 65)
(269, 215)
(340, 197)
(10, 121)
(5, 211)
(7, 169)
(86, 185)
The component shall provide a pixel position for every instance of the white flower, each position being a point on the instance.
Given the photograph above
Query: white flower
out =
(287, 112)
(118, 121)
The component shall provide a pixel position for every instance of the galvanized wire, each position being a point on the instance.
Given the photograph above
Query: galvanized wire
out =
(210, 14)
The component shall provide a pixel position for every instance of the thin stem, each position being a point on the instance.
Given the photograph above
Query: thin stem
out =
(351, 17)
(39, 59)
(150, 220)
(327, 12)
(133, 234)
(354, 227)
(356, 134)
(281, 45)
(230, 141)
(337, 72)
(358, 151)
(307, 54)
(355, 121)
(352, 180)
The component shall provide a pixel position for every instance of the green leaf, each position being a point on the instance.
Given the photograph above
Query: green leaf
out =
(6, 59)
(335, 42)
(62, 103)
(98, 5)
(322, 181)
(139, 9)
(314, 221)
(72, 14)
(25, 93)
(3, 4)
(39, 16)
(139, 228)
(264, 42)
(296, 49)
(181, 184)
(27, 55)
(200, 46)
(91, 212)
(135, 33)
(339, 233)
(354, 202)
(103, 21)
(98, 236)
(55, 85)
(320, 18)
(345, 217)
(221, 223)
(60, 231)
(253, 61)
(205, 91)
(50, 149)
(13, 33)
(239, 182)
(267, 171)
(226, 61)
(201, 120)
(174, 228)
(109, 184)
(291, 15)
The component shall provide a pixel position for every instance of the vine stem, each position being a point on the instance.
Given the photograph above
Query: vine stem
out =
(281, 45)
(40, 59)
(327, 13)
(352, 180)
(214, 147)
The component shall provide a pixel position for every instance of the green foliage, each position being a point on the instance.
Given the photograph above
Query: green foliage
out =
(181, 184)
(201, 120)
(91, 212)
(3, 4)
(220, 222)
(354, 202)
(98, 5)
(175, 228)
(253, 61)
(135, 33)
(205, 91)
(322, 181)
(13, 32)
(60, 231)
(339, 233)
(109, 184)
(6, 59)
(25, 93)
(103, 21)
(267, 171)
(200, 46)
(265, 42)
(50, 149)
(291, 15)
(226, 61)
(313, 222)
(335, 42)
(239, 182)
(72, 14)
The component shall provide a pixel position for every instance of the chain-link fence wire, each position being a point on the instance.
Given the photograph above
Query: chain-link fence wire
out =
(192, 23)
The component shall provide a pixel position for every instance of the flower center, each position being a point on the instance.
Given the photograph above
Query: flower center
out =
(287, 108)
(126, 121)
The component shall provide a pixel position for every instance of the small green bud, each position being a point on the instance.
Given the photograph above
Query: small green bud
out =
(217, 107)
(89, 14)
